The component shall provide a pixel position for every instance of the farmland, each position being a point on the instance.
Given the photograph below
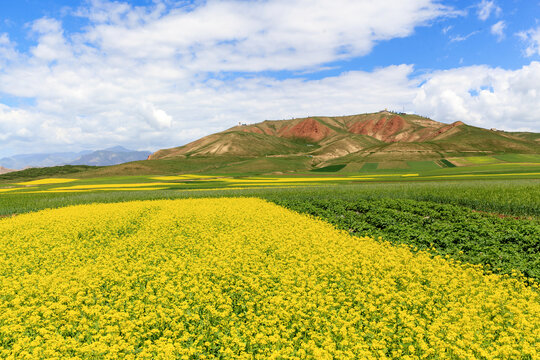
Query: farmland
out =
(242, 278)
(374, 264)
(269, 179)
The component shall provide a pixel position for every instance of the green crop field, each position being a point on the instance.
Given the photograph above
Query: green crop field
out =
(422, 165)
(532, 158)
(480, 160)
(446, 163)
(369, 166)
(330, 168)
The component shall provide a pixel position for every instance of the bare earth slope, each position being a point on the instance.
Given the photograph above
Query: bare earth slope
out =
(4, 170)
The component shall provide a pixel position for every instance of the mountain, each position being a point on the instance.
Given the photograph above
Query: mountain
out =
(117, 149)
(4, 170)
(381, 136)
(22, 161)
(110, 156)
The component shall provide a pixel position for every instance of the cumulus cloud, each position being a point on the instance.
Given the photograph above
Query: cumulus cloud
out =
(486, 8)
(532, 38)
(257, 36)
(483, 96)
(51, 44)
(7, 50)
(497, 29)
(157, 118)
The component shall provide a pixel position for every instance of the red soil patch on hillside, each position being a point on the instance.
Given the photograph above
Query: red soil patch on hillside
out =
(445, 129)
(383, 129)
(309, 129)
(392, 126)
(362, 127)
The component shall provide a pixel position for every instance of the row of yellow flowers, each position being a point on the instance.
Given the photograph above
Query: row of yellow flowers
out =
(245, 279)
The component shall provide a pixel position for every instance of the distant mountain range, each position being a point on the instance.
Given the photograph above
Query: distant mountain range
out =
(110, 156)
(382, 136)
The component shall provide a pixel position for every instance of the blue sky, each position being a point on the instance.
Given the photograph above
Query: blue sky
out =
(151, 74)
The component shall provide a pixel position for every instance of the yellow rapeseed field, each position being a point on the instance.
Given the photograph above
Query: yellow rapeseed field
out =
(240, 278)
(46, 181)
(184, 177)
(105, 186)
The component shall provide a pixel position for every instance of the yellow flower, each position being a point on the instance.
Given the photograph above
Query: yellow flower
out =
(241, 279)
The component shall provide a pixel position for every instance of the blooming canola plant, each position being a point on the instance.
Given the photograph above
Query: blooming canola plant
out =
(242, 278)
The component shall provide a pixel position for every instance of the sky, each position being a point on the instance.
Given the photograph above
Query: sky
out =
(147, 75)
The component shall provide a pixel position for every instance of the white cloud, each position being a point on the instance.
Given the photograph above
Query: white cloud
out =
(7, 50)
(257, 36)
(483, 96)
(497, 29)
(51, 43)
(486, 8)
(459, 38)
(157, 118)
(532, 38)
(447, 29)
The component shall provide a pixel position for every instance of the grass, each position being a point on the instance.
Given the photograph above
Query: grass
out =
(12, 192)
(532, 158)
(33, 173)
(476, 160)
(422, 165)
(518, 197)
(369, 167)
(330, 168)
(447, 163)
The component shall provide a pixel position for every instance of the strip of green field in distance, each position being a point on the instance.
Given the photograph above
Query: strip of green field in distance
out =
(508, 197)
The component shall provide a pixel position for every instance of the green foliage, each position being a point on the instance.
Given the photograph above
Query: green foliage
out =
(478, 160)
(508, 197)
(531, 158)
(330, 168)
(422, 165)
(447, 163)
(46, 172)
(369, 167)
